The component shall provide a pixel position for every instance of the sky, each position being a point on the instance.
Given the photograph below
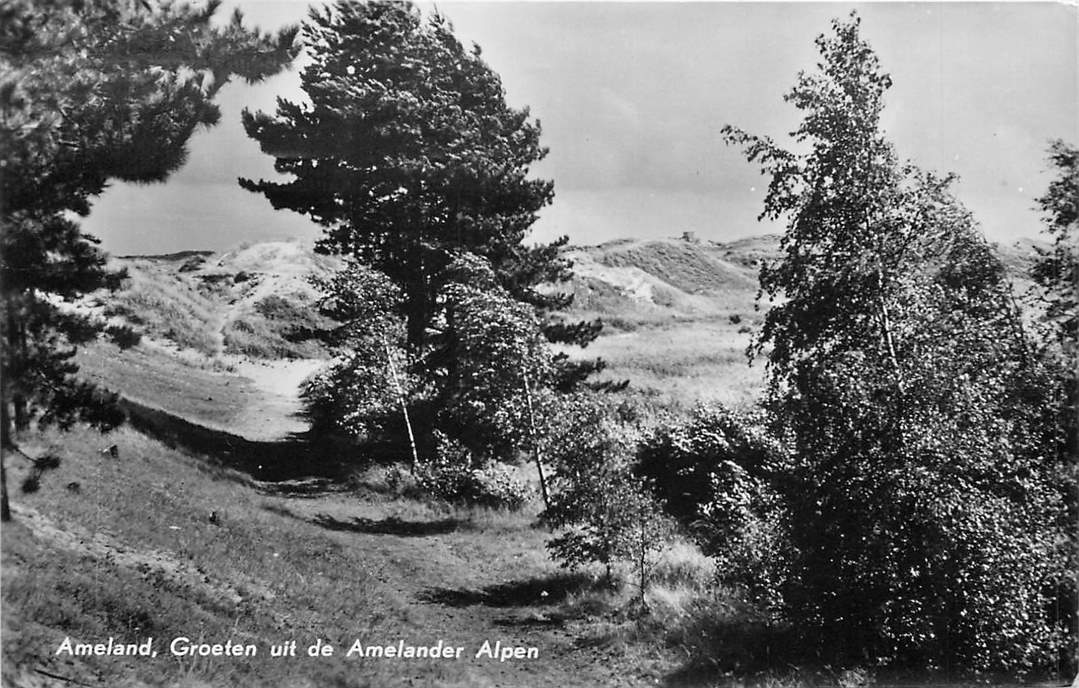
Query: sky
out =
(632, 98)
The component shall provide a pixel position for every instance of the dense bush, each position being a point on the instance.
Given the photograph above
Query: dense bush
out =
(719, 473)
(500, 358)
(474, 388)
(363, 393)
(355, 396)
(683, 458)
(453, 477)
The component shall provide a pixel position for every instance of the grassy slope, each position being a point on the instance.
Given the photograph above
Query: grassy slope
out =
(133, 553)
(678, 315)
(242, 303)
(203, 391)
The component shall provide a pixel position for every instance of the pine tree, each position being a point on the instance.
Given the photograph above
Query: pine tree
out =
(408, 155)
(92, 90)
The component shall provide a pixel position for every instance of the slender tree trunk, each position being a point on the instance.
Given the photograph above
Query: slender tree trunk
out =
(882, 306)
(889, 342)
(6, 445)
(882, 313)
(16, 336)
(1015, 319)
(404, 405)
(535, 443)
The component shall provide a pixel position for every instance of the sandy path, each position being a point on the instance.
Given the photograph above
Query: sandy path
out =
(275, 411)
(256, 400)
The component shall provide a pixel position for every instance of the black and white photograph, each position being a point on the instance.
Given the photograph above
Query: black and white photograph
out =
(535, 344)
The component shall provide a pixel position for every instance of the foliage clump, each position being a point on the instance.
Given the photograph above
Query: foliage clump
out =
(608, 514)
(362, 393)
(456, 476)
(473, 389)
(925, 514)
(721, 474)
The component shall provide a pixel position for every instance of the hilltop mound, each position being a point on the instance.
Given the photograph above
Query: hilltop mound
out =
(689, 267)
(632, 284)
(243, 302)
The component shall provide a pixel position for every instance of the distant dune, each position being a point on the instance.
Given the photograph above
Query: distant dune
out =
(679, 313)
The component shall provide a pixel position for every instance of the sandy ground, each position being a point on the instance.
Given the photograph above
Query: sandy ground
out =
(257, 400)
(277, 411)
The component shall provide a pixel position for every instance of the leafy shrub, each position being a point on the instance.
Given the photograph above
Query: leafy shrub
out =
(745, 527)
(275, 307)
(717, 474)
(500, 359)
(683, 459)
(453, 478)
(356, 395)
(363, 393)
(473, 387)
(608, 512)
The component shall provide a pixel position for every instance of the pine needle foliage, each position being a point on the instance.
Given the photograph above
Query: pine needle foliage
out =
(409, 156)
(92, 91)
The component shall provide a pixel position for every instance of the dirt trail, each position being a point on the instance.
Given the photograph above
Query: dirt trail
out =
(276, 412)
(258, 401)
(460, 591)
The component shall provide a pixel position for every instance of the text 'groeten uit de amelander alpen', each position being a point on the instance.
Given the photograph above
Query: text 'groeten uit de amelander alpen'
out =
(183, 646)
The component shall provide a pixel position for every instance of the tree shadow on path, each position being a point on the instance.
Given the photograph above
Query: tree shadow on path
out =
(298, 456)
(538, 591)
(389, 526)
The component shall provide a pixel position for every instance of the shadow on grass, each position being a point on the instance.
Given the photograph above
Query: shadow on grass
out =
(539, 591)
(723, 647)
(298, 456)
(389, 526)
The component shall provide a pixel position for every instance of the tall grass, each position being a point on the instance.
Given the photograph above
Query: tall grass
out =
(267, 329)
(165, 305)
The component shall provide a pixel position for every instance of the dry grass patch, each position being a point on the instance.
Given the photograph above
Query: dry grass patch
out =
(166, 305)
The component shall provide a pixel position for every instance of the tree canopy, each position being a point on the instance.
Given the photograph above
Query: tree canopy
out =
(408, 155)
(898, 366)
(92, 90)
(1056, 272)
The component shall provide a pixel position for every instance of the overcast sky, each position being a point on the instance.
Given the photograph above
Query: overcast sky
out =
(632, 98)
